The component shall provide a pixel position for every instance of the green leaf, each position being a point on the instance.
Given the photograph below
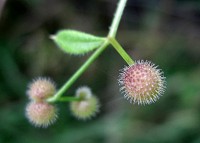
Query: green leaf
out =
(75, 42)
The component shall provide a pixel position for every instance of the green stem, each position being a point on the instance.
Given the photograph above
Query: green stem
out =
(117, 18)
(78, 72)
(121, 51)
(69, 99)
(112, 33)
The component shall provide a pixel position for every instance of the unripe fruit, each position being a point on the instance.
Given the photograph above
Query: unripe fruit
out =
(83, 92)
(87, 107)
(41, 114)
(142, 82)
(41, 89)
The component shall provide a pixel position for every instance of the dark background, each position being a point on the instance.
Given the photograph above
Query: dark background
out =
(166, 32)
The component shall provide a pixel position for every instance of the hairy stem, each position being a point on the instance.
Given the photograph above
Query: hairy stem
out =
(117, 18)
(112, 33)
(121, 51)
(78, 73)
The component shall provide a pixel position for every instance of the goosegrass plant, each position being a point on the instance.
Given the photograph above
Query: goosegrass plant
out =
(140, 81)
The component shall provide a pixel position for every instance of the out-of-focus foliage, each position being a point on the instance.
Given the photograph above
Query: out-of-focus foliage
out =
(166, 32)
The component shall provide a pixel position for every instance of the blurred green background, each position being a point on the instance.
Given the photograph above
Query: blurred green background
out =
(166, 32)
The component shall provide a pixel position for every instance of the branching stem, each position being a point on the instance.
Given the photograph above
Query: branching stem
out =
(111, 34)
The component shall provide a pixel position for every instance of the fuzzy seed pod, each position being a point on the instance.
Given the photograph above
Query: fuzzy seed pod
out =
(87, 107)
(41, 114)
(83, 92)
(142, 83)
(41, 89)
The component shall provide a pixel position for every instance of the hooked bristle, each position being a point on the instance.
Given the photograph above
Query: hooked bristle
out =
(142, 82)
